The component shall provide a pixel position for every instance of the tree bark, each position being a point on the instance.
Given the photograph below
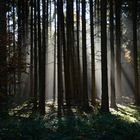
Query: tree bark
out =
(135, 53)
(118, 46)
(112, 56)
(3, 50)
(93, 85)
(84, 56)
(104, 98)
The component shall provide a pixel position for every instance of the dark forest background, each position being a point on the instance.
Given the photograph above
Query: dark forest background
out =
(69, 69)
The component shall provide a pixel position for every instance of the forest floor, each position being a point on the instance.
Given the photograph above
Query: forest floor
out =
(121, 124)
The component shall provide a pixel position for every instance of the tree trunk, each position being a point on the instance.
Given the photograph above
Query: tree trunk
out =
(104, 100)
(35, 57)
(3, 57)
(55, 45)
(112, 57)
(84, 56)
(31, 51)
(118, 46)
(93, 91)
(136, 75)
(59, 56)
(79, 82)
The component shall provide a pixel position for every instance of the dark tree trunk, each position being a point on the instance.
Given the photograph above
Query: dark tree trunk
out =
(31, 50)
(59, 55)
(93, 91)
(68, 55)
(40, 68)
(19, 46)
(112, 57)
(35, 57)
(55, 45)
(118, 46)
(14, 43)
(3, 49)
(42, 55)
(104, 100)
(84, 55)
(136, 74)
(79, 82)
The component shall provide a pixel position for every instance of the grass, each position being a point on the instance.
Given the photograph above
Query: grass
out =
(117, 125)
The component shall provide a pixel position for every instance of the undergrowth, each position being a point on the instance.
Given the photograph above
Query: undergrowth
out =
(117, 125)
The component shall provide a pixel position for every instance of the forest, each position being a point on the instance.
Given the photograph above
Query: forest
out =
(69, 70)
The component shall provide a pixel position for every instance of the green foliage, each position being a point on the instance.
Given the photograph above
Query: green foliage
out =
(93, 126)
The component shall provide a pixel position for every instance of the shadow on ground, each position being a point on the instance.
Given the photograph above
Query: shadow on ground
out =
(117, 125)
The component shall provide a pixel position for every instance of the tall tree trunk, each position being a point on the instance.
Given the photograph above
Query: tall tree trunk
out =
(118, 46)
(59, 56)
(55, 45)
(42, 55)
(79, 82)
(136, 75)
(35, 57)
(104, 100)
(14, 42)
(40, 68)
(19, 46)
(31, 50)
(3, 50)
(8, 50)
(84, 55)
(68, 55)
(112, 56)
(93, 91)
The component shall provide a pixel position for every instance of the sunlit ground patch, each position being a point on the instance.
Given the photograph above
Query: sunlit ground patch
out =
(127, 113)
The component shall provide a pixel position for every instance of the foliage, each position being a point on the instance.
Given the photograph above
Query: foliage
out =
(117, 125)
